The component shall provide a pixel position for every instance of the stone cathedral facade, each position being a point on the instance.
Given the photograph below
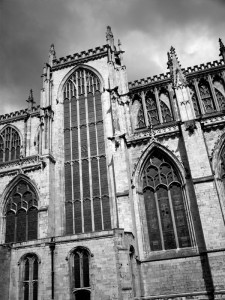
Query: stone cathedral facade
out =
(115, 190)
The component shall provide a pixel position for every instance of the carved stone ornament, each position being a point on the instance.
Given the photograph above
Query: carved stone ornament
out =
(190, 126)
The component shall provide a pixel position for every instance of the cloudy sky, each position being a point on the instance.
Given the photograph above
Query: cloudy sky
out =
(146, 28)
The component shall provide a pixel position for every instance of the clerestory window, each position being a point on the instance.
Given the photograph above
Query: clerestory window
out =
(164, 205)
(10, 144)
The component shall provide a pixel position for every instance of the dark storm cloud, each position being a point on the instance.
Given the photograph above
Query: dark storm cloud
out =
(147, 29)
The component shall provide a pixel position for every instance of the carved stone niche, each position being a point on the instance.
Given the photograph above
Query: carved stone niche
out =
(190, 126)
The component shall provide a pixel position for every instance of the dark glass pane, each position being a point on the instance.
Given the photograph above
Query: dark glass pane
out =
(166, 218)
(69, 218)
(78, 217)
(152, 109)
(206, 97)
(101, 143)
(106, 212)
(83, 140)
(85, 270)
(82, 295)
(1, 155)
(21, 226)
(22, 187)
(27, 196)
(97, 214)
(92, 134)
(73, 112)
(67, 145)
(35, 291)
(95, 177)
(35, 269)
(90, 102)
(17, 152)
(26, 291)
(180, 216)
(16, 198)
(13, 153)
(82, 110)
(32, 223)
(85, 179)
(77, 270)
(66, 113)
(87, 216)
(140, 118)
(68, 182)
(26, 270)
(76, 180)
(98, 106)
(10, 227)
(152, 220)
(75, 150)
(6, 154)
(166, 113)
(103, 176)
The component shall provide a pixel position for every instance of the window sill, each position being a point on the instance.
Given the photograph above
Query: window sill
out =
(170, 254)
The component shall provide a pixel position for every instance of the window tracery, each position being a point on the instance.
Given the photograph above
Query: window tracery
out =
(164, 205)
(85, 161)
(206, 96)
(194, 100)
(29, 280)
(152, 110)
(10, 144)
(21, 214)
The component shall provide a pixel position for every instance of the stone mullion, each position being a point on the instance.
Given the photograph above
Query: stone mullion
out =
(199, 99)
(144, 108)
(159, 221)
(213, 93)
(158, 105)
(173, 219)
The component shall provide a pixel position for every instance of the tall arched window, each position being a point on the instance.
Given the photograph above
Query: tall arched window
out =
(86, 183)
(206, 96)
(164, 204)
(10, 144)
(29, 277)
(80, 275)
(152, 110)
(194, 100)
(21, 214)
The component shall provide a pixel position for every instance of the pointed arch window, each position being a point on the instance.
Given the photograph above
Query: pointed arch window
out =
(152, 110)
(165, 106)
(164, 205)
(80, 273)
(194, 100)
(206, 97)
(29, 277)
(10, 144)
(86, 181)
(219, 88)
(21, 214)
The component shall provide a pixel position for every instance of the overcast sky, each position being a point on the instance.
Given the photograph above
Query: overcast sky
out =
(146, 28)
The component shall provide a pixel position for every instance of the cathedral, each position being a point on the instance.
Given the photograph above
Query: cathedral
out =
(115, 190)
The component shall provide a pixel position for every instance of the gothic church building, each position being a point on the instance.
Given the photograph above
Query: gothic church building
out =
(115, 190)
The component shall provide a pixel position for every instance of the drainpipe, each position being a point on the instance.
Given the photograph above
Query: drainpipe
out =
(52, 249)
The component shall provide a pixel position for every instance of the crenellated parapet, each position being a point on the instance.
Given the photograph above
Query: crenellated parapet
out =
(19, 115)
(81, 57)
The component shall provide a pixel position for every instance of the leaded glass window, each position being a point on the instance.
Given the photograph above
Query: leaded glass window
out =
(164, 204)
(10, 144)
(152, 110)
(29, 267)
(80, 277)
(21, 214)
(221, 99)
(86, 182)
(206, 96)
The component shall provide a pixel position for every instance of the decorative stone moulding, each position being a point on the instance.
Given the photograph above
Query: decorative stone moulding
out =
(213, 122)
(82, 57)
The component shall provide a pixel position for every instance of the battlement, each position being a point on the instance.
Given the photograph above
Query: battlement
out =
(15, 115)
(83, 55)
(166, 76)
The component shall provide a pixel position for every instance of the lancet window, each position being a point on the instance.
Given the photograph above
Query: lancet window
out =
(10, 144)
(206, 97)
(155, 108)
(164, 204)
(29, 270)
(21, 214)
(86, 183)
(80, 275)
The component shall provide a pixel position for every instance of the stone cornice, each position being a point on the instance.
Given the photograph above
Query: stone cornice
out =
(145, 135)
(78, 58)
(19, 115)
(213, 121)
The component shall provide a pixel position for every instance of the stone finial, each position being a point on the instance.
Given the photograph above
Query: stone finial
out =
(52, 54)
(222, 49)
(30, 101)
(109, 37)
(177, 75)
